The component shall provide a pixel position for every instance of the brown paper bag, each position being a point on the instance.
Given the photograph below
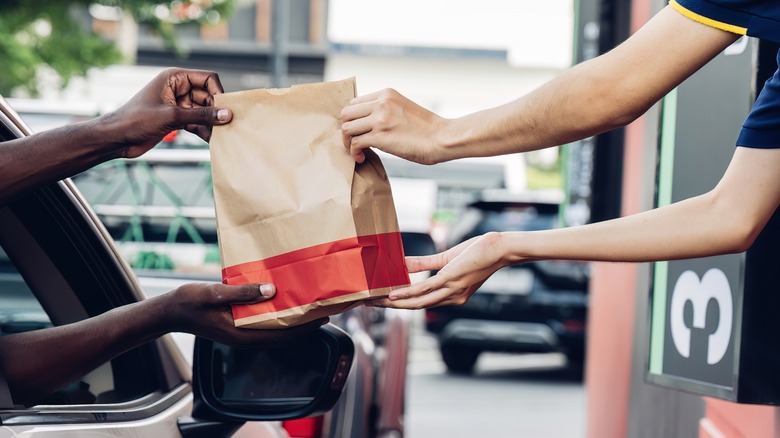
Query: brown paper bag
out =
(294, 209)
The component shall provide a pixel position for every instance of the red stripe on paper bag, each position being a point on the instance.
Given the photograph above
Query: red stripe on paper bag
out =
(322, 272)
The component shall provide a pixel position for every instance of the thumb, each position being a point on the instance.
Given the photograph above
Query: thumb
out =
(359, 157)
(207, 115)
(248, 293)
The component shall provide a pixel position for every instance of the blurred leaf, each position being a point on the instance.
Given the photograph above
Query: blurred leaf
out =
(58, 34)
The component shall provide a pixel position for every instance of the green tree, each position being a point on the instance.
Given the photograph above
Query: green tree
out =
(34, 33)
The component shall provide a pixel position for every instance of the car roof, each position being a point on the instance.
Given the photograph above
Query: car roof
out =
(499, 200)
(54, 107)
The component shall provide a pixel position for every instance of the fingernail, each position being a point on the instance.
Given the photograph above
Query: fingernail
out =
(223, 115)
(267, 290)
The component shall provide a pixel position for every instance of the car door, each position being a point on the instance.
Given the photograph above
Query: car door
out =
(58, 265)
(55, 270)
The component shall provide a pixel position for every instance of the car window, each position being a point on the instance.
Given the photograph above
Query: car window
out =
(475, 222)
(56, 268)
(20, 311)
(516, 220)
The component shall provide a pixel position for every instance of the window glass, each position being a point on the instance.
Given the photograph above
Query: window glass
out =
(68, 288)
(20, 312)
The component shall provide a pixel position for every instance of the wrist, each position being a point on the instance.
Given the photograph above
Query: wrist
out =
(449, 140)
(97, 140)
(111, 135)
(515, 247)
(132, 324)
(162, 313)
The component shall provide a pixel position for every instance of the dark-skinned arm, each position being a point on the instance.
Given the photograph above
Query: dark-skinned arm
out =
(40, 362)
(175, 99)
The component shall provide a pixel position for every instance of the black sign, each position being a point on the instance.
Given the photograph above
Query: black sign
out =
(699, 325)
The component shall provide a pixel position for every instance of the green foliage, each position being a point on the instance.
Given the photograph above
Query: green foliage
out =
(34, 33)
(538, 178)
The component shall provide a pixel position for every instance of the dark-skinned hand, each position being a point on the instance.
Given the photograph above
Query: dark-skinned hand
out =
(203, 309)
(175, 99)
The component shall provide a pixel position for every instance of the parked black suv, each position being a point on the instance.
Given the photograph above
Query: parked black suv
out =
(531, 307)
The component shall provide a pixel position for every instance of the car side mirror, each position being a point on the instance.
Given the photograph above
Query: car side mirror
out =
(298, 380)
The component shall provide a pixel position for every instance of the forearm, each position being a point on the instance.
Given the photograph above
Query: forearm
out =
(59, 153)
(565, 109)
(593, 97)
(40, 362)
(727, 219)
(696, 227)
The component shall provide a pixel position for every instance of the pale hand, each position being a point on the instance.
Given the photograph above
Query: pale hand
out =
(462, 270)
(392, 123)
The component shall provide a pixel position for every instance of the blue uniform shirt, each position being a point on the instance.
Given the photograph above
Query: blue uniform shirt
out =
(757, 18)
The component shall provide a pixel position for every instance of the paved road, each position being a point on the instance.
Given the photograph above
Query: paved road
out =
(525, 396)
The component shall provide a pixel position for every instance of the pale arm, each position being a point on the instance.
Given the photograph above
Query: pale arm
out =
(725, 220)
(593, 97)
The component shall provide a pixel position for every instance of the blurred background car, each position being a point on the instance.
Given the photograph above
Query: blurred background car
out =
(537, 306)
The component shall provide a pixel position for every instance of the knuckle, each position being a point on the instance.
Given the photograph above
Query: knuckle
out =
(388, 93)
(170, 72)
(206, 113)
(174, 79)
(357, 144)
(249, 292)
(173, 114)
(213, 76)
(384, 105)
(215, 292)
(383, 119)
(212, 82)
